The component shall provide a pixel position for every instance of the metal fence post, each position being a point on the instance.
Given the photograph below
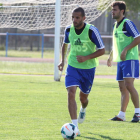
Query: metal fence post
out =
(6, 44)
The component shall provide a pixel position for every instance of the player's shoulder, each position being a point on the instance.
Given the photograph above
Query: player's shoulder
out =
(69, 26)
(67, 29)
(93, 28)
(128, 21)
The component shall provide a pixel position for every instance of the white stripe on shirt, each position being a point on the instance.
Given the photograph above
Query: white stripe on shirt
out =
(98, 36)
(132, 28)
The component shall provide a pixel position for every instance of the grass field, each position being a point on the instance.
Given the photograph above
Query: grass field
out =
(41, 68)
(32, 109)
(35, 107)
(27, 54)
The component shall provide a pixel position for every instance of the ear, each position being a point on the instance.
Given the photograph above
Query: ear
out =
(122, 11)
(84, 18)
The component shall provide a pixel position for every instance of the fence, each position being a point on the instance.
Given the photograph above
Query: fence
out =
(39, 35)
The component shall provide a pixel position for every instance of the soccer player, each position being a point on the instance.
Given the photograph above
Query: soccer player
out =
(82, 61)
(125, 52)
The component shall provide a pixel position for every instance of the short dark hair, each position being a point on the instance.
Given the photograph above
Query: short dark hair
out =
(120, 4)
(80, 9)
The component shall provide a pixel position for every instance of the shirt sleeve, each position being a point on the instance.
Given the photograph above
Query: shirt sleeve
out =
(96, 38)
(66, 37)
(131, 29)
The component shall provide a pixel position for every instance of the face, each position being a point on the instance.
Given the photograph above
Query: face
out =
(116, 12)
(77, 19)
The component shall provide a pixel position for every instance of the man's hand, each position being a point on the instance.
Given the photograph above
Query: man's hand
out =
(109, 60)
(61, 66)
(123, 55)
(109, 63)
(81, 59)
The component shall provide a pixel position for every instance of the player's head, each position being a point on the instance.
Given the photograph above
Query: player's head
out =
(78, 17)
(118, 9)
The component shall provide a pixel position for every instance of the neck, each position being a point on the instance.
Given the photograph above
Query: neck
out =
(119, 19)
(81, 26)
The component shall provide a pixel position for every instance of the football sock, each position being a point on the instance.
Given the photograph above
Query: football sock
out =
(137, 110)
(121, 114)
(75, 122)
(83, 109)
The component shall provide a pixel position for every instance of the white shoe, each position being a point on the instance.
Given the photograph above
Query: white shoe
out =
(79, 133)
(82, 115)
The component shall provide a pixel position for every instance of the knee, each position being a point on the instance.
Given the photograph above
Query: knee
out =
(128, 86)
(71, 95)
(83, 100)
(122, 88)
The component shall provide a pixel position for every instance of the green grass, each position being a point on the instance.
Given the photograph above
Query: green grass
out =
(36, 54)
(15, 67)
(26, 68)
(32, 109)
(28, 54)
(44, 68)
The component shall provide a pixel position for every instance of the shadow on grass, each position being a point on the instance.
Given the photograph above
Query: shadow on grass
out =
(102, 137)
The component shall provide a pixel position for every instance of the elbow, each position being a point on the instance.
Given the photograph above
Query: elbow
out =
(103, 51)
(139, 40)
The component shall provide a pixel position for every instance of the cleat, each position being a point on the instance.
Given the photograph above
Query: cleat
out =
(82, 115)
(79, 133)
(136, 117)
(116, 118)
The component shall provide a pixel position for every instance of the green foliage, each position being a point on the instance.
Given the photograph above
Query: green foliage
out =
(133, 5)
(132, 8)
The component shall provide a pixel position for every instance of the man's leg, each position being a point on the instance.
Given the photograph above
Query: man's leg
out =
(129, 83)
(124, 102)
(124, 95)
(72, 106)
(83, 99)
(84, 103)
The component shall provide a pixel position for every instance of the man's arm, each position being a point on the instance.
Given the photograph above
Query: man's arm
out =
(109, 60)
(132, 30)
(64, 51)
(95, 37)
(134, 43)
(98, 53)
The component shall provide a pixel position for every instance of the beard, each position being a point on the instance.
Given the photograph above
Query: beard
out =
(116, 16)
(76, 25)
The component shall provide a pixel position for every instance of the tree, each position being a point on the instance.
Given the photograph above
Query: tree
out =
(133, 8)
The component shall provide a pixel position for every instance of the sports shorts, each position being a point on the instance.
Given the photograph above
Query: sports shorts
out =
(127, 69)
(82, 78)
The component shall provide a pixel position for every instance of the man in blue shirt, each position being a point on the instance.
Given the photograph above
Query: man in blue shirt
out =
(82, 61)
(125, 51)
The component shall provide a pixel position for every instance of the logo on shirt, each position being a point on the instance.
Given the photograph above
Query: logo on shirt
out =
(78, 42)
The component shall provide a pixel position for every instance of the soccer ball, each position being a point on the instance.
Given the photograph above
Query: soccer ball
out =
(69, 131)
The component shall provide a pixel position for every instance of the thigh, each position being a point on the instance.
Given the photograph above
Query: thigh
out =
(86, 81)
(72, 77)
(119, 76)
(83, 95)
(130, 69)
